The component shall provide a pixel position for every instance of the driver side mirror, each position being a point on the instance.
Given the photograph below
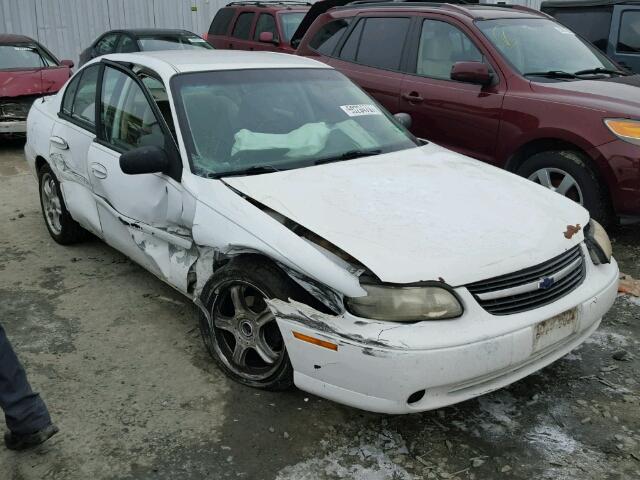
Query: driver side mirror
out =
(67, 63)
(267, 37)
(472, 72)
(144, 160)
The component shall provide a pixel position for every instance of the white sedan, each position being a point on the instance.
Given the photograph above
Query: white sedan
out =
(325, 246)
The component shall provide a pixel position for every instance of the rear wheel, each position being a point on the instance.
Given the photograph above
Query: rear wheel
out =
(568, 173)
(241, 333)
(62, 227)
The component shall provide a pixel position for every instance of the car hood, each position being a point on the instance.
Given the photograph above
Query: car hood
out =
(14, 83)
(618, 95)
(423, 214)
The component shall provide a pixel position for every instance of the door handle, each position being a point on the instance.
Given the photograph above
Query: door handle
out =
(59, 142)
(413, 97)
(99, 170)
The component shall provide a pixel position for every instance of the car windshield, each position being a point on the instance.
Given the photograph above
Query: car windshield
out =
(290, 23)
(20, 56)
(151, 43)
(246, 121)
(535, 45)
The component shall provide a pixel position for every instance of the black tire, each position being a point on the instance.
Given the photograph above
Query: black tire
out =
(65, 230)
(591, 189)
(268, 279)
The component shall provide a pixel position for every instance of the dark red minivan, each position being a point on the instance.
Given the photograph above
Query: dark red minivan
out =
(257, 25)
(509, 86)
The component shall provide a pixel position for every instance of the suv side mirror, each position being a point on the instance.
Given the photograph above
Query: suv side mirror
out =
(472, 72)
(144, 160)
(267, 37)
(403, 119)
(67, 63)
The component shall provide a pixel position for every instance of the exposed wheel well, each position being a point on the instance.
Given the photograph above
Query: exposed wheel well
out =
(40, 162)
(538, 146)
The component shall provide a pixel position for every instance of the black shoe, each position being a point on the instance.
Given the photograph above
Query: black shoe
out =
(14, 441)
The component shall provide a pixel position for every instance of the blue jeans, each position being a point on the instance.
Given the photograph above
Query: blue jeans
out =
(24, 410)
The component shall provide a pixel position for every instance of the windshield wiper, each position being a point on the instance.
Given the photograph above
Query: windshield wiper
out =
(255, 170)
(551, 74)
(350, 155)
(597, 70)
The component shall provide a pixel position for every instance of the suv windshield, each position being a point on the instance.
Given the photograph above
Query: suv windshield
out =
(290, 23)
(536, 46)
(251, 121)
(23, 56)
(172, 42)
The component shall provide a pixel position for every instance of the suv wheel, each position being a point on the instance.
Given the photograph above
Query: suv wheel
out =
(567, 173)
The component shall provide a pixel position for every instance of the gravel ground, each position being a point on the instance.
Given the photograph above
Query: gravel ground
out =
(117, 356)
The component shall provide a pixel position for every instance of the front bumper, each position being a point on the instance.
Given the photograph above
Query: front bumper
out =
(378, 365)
(624, 180)
(17, 126)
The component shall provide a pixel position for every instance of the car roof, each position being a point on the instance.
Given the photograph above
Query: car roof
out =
(474, 11)
(273, 5)
(11, 38)
(171, 62)
(150, 31)
(587, 3)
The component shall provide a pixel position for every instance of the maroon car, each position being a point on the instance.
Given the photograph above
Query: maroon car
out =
(257, 25)
(509, 86)
(27, 71)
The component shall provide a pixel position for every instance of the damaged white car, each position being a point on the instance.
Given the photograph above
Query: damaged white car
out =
(325, 246)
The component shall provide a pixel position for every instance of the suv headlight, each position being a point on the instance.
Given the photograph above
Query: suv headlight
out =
(598, 243)
(624, 129)
(405, 304)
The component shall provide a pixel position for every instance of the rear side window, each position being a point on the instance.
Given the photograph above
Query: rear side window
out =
(326, 39)
(242, 28)
(629, 40)
(127, 45)
(107, 44)
(266, 23)
(79, 100)
(593, 24)
(381, 42)
(350, 47)
(220, 23)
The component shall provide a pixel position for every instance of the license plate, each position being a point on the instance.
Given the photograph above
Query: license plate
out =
(555, 329)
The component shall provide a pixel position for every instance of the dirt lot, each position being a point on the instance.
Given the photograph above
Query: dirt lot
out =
(117, 356)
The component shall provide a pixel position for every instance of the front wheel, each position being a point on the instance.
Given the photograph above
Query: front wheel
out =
(241, 333)
(568, 173)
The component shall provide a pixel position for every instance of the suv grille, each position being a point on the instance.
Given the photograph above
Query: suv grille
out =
(532, 287)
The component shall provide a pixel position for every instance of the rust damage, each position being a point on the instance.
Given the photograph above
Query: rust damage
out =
(572, 230)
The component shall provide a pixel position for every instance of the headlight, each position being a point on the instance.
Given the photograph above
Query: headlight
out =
(598, 243)
(627, 130)
(405, 304)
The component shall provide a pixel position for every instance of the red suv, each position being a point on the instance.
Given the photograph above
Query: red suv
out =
(506, 85)
(267, 25)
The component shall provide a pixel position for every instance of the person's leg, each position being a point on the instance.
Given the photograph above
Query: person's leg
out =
(24, 410)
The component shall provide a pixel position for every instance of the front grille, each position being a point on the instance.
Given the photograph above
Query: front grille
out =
(532, 287)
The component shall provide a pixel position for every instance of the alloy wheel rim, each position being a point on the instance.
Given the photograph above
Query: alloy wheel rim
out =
(51, 204)
(558, 181)
(244, 331)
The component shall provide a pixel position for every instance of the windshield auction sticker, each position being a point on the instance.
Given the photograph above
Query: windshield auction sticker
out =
(360, 110)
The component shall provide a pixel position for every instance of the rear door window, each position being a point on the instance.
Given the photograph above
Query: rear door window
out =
(629, 39)
(381, 42)
(266, 23)
(350, 47)
(127, 45)
(242, 28)
(220, 23)
(327, 38)
(593, 24)
(441, 46)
